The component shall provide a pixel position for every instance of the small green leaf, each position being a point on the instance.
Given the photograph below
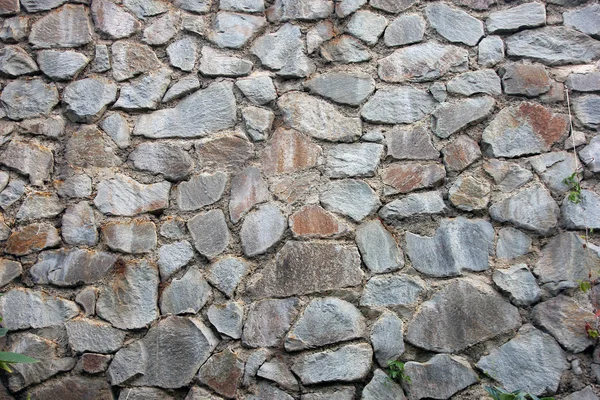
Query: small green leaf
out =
(11, 358)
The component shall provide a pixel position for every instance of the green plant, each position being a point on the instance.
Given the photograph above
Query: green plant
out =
(8, 358)
(574, 185)
(396, 372)
(501, 394)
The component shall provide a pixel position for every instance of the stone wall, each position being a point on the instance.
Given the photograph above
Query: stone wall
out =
(271, 200)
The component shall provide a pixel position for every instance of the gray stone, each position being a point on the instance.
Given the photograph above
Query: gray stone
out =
(410, 143)
(4, 177)
(198, 393)
(205, 111)
(197, 6)
(40, 205)
(222, 373)
(130, 302)
(79, 225)
(90, 148)
(553, 168)
(127, 197)
(525, 79)
(392, 6)
(146, 8)
(528, 15)
(267, 322)
(215, 64)
(586, 110)
(583, 215)
(258, 88)
(14, 29)
(367, 26)
(174, 256)
(258, 122)
(320, 33)
(227, 318)
(9, 270)
(398, 105)
(458, 245)
(226, 274)
(278, 372)
(553, 45)
(439, 378)
(378, 248)
(413, 205)
(482, 81)
(344, 8)
(406, 29)
(262, 229)
(170, 160)
(186, 295)
(86, 298)
(381, 387)
(210, 233)
(101, 59)
(182, 54)
(325, 321)
(346, 364)
(112, 20)
(590, 154)
(395, 290)
(86, 335)
(144, 393)
(135, 236)
(234, 30)
(307, 10)
(242, 5)
(255, 360)
(30, 159)
(76, 186)
(336, 392)
(460, 315)
(438, 91)
(342, 87)
(162, 30)
(490, 51)
(145, 92)
(181, 88)
(302, 268)
(387, 338)
(345, 49)
(507, 176)
(131, 59)
(181, 345)
(353, 198)
(76, 386)
(87, 99)
(68, 26)
(116, 126)
(12, 193)
(450, 118)
(28, 99)
(538, 373)
(588, 82)
(532, 208)
(353, 160)
(586, 394)
(586, 20)
(15, 61)
(512, 243)
(25, 308)
(455, 25)
(173, 228)
(201, 190)
(519, 283)
(61, 66)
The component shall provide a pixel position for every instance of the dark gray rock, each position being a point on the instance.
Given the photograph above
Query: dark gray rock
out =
(134, 236)
(234, 30)
(227, 318)
(9, 270)
(525, 79)
(350, 197)
(586, 110)
(586, 394)
(168, 159)
(12, 193)
(186, 295)
(406, 29)
(139, 198)
(455, 25)
(512, 243)
(392, 290)
(210, 233)
(174, 256)
(319, 34)
(28, 99)
(590, 154)
(528, 15)
(413, 205)
(482, 81)
(519, 283)
(87, 335)
(25, 308)
(255, 360)
(227, 273)
(201, 190)
(222, 373)
(586, 20)
(398, 105)
(144, 393)
(267, 322)
(507, 176)
(588, 82)
(86, 298)
(450, 118)
(378, 248)
(553, 168)
(278, 372)
(87, 99)
(68, 26)
(381, 387)
(52, 127)
(342, 87)
(387, 338)
(410, 143)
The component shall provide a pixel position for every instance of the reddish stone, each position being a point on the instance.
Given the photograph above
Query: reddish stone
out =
(222, 373)
(231, 150)
(89, 147)
(289, 151)
(404, 178)
(248, 188)
(94, 363)
(461, 153)
(8, 7)
(314, 222)
(31, 239)
(546, 125)
(525, 79)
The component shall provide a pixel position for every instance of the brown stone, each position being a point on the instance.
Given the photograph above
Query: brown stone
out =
(73, 387)
(89, 147)
(136, 236)
(525, 79)
(404, 178)
(248, 188)
(94, 363)
(230, 150)
(8, 7)
(461, 153)
(313, 221)
(291, 188)
(289, 151)
(222, 373)
(31, 239)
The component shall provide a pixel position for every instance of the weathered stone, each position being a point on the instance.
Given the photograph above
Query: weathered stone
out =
(88, 147)
(398, 105)
(69, 26)
(130, 302)
(198, 393)
(528, 15)
(278, 372)
(234, 30)
(387, 338)
(353, 160)
(336, 392)
(525, 129)
(325, 321)
(292, 189)
(116, 126)
(86, 298)
(490, 51)
(227, 273)
(14, 29)
(258, 88)
(525, 79)
(32, 239)
(342, 87)
(174, 256)
(87, 99)
(255, 360)
(41, 5)
(72, 267)
(40, 205)
(470, 193)
(62, 66)
(394, 290)
(590, 154)
(101, 59)
(345, 49)
(222, 373)
(378, 248)
(186, 295)
(512, 243)
(135, 236)
(86, 335)
(197, 6)
(588, 82)
(350, 197)
(344, 8)
(553, 168)
(147, 8)
(15, 61)
(450, 118)
(406, 29)
(12, 193)
(127, 197)
(145, 92)
(8, 7)
(320, 33)
(247, 189)
(215, 64)
(262, 229)
(413, 205)
(346, 364)
(392, 6)
(519, 283)
(181, 88)
(173, 228)
(382, 387)
(532, 208)
(410, 143)
(201, 190)
(76, 386)
(407, 177)
(455, 25)
(482, 81)
(268, 321)
(226, 151)
(289, 151)
(302, 268)
(162, 30)
(367, 26)
(28, 99)
(538, 373)
(95, 363)
(312, 221)
(585, 20)
(182, 54)
(583, 215)
(464, 313)
(553, 45)
(285, 10)
(9, 270)
(203, 112)
(29, 159)
(439, 378)
(586, 110)
(227, 318)
(507, 176)
(258, 122)
(461, 153)
(242, 5)
(112, 20)
(144, 393)
(181, 345)
(170, 160)
(25, 308)
(131, 59)
(210, 233)
(586, 394)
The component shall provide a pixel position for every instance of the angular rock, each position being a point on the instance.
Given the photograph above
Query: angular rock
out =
(88, 147)
(588, 82)
(126, 197)
(586, 394)
(553, 168)
(162, 30)
(392, 6)
(173, 228)
(135, 236)
(169, 160)
(226, 274)
(210, 233)
(307, 10)
(233, 30)
(40, 205)
(512, 243)
(470, 193)
(278, 372)
(197, 6)
(353, 198)
(461, 153)
(525, 79)
(68, 26)
(507, 176)
(12, 193)
(28, 99)
(398, 105)
(242, 5)
(583, 215)
(320, 33)
(61, 66)
(186, 295)
(248, 188)
(387, 338)
(450, 118)
(227, 151)
(147, 8)
(289, 151)
(9, 270)
(302, 268)
(528, 15)
(367, 26)
(590, 154)
(342, 87)
(87, 99)
(262, 229)
(382, 387)
(407, 177)
(8, 7)
(464, 313)
(586, 110)
(585, 20)
(222, 373)
(95, 363)
(182, 54)
(112, 20)
(86, 335)
(353, 160)
(346, 7)
(144, 393)
(145, 92)
(312, 221)
(345, 49)
(41, 5)
(413, 205)
(201, 190)
(258, 88)
(378, 248)
(483, 81)
(394, 290)
(77, 386)
(86, 298)
(227, 318)
(455, 25)
(258, 122)
(181, 88)
(32, 239)
(52, 127)
(490, 51)
(215, 64)
(131, 59)
(14, 29)
(410, 143)
(255, 360)
(116, 126)
(267, 322)
(29, 159)
(25, 308)
(519, 283)
(14, 61)
(101, 59)
(406, 29)
(174, 256)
